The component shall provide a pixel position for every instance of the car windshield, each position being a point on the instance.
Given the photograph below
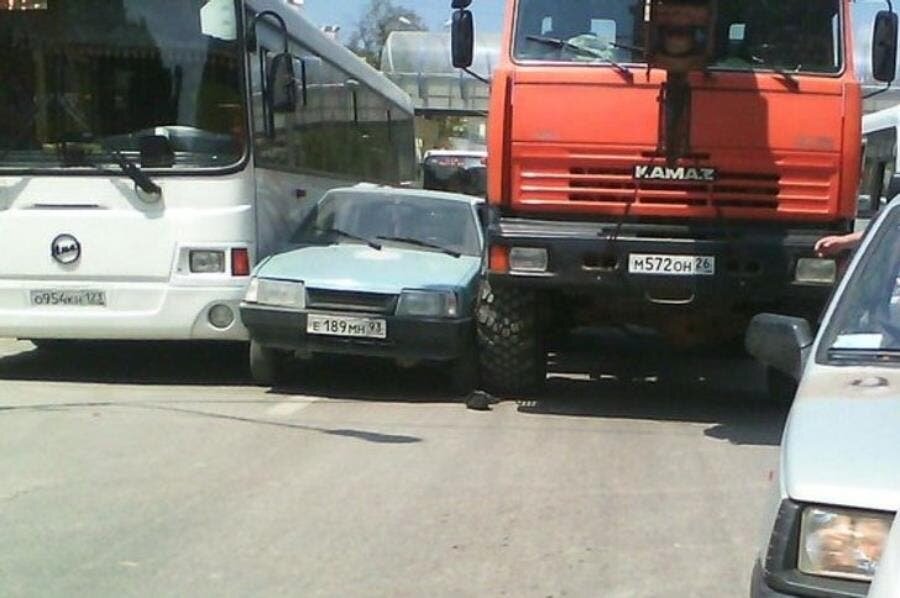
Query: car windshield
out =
(793, 35)
(81, 77)
(866, 323)
(348, 217)
(455, 173)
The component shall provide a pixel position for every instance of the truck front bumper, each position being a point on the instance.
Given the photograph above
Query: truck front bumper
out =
(754, 264)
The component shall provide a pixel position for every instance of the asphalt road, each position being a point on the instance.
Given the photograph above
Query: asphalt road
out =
(158, 470)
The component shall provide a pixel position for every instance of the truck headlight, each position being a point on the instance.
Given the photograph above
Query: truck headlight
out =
(428, 304)
(279, 293)
(842, 543)
(815, 271)
(528, 259)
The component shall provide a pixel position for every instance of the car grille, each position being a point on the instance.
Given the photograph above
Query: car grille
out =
(328, 300)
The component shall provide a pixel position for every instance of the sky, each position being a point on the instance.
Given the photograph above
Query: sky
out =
(346, 13)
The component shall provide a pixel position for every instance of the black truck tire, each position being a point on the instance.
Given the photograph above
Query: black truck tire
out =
(510, 341)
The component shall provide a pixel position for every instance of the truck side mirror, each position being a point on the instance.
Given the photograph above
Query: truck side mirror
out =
(884, 47)
(282, 85)
(463, 38)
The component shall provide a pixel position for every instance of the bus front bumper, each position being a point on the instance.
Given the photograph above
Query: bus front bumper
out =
(132, 311)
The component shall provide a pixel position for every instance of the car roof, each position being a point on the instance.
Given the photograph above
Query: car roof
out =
(369, 190)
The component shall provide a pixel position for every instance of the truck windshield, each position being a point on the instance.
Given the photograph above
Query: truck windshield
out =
(788, 35)
(81, 77)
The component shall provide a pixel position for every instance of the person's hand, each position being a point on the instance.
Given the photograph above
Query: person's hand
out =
(836, 244)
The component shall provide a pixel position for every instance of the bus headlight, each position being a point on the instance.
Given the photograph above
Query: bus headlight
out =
(842, 543)
(207, 262)
(428, 304)
(278, 293)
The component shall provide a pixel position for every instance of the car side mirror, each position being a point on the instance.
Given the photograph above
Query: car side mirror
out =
(282, 84)
(884, 47)
(780, 342)
(462, 41)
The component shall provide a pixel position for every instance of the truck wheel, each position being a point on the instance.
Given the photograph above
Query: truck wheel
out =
(510, 343)
(267, 366)
(780, 386)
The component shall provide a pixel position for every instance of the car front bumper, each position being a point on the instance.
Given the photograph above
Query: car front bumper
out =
(412, 339)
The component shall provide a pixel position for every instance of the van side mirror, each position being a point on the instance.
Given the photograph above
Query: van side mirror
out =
(281, 84)
(462, 40)
(884, 47)
(779, 342)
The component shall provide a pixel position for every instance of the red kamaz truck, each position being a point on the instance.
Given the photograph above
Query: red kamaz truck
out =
(668, 163)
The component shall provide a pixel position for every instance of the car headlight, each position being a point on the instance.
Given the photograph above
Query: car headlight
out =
(280, 293)
(842, 543)
(428, 304)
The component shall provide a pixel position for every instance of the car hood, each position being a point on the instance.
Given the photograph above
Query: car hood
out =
(842, 441)
(361, 268)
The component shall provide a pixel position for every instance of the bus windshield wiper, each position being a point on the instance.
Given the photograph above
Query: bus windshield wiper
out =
(133, 171)
(887, 354)
(421, 243)
(348, 235)
(583, 50)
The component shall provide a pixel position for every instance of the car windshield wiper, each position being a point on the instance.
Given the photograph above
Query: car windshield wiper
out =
(852, 354)
(347, 235)
(583, 50)
(421, 243)
(133, 171)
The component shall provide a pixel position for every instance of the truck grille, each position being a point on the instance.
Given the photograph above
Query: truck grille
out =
(732, 189)
(328, 300)
(747, 183)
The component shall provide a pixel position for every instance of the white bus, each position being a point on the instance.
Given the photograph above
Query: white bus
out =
(151, 151)
(880, 181)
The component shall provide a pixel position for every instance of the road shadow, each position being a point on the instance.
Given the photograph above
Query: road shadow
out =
(606, 374)
(623, 375)
(145, 363)
(221, 364)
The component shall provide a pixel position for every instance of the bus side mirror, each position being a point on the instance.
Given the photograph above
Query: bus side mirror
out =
(463, 38)
(282, 85)
(884, 47)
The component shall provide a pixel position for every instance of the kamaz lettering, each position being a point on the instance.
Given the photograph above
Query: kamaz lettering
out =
(663, 173)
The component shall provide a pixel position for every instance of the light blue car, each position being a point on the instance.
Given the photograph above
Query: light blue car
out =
(373, 271)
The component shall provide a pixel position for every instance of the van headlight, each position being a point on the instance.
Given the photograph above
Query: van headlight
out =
(842, 543)
(278, 293)
(428, 304)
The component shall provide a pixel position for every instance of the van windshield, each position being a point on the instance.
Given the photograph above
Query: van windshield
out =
(81, 77)
(791, 35)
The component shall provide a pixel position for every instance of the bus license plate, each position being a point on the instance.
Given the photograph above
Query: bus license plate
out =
(68, 298)
(346, 326)
(672, 265)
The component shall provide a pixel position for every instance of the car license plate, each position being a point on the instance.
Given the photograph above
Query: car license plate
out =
(672, 265)
(68, 298)
(346, 326)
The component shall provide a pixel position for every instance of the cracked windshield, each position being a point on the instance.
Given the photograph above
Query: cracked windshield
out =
(449, 298)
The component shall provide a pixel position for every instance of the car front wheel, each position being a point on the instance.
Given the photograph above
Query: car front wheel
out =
(267, 365)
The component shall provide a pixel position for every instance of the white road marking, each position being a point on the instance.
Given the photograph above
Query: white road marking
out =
(288, 409)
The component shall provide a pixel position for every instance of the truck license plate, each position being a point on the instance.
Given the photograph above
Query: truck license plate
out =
(672, 265)
(346, 326)
(68, 298)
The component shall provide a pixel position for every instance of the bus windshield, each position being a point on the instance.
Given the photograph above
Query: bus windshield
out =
(82, 78)
(780, 35)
